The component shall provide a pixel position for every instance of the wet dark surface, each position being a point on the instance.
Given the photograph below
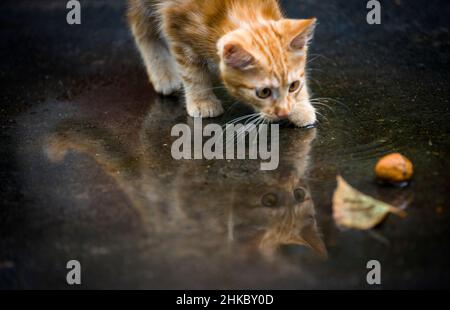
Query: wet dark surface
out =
(86, 170)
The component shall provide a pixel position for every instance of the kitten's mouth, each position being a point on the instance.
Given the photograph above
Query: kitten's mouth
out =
(273, 118)
(285, 122)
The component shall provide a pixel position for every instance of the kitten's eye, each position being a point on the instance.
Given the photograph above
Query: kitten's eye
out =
(294, 86)
(299, 194)
(269, 200)
(264, 93)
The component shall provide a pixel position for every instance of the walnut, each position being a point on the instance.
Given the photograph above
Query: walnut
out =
(394, 168)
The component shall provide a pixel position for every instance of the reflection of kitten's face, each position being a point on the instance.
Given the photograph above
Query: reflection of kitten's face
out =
(279, 214)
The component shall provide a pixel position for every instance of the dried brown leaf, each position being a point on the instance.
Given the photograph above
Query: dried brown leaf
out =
(353, 209)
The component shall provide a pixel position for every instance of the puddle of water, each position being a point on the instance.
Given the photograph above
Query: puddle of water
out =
(101, 175)
(190, 213)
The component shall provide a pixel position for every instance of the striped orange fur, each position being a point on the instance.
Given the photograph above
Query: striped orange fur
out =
(260, 55)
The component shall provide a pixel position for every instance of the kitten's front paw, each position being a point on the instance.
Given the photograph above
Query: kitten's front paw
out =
(303, 115)
(166, 82)
(204, 108)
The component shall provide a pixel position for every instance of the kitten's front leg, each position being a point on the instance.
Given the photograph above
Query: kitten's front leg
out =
(303, 113)
(160, 65)
(200, 98)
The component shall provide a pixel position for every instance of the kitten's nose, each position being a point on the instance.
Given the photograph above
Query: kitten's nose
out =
(282, 113)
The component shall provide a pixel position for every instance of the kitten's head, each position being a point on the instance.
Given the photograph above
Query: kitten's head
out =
(277, 216)
(264, 66)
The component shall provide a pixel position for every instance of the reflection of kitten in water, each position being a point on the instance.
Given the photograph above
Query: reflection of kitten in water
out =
(205, 204)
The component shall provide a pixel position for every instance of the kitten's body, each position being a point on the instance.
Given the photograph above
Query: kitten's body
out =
(256, 51)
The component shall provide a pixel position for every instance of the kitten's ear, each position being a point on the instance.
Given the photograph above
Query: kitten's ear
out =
(236, 57)
(299, 32)
(312, 237)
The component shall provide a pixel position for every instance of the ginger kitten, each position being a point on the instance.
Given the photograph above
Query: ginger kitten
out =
(260, 55)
